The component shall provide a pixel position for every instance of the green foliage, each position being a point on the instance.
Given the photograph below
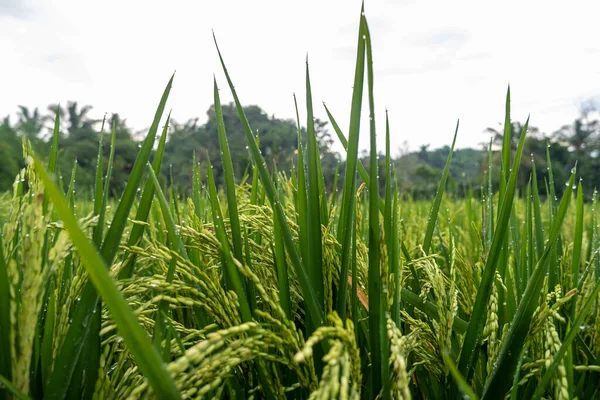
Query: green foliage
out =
(270, 288)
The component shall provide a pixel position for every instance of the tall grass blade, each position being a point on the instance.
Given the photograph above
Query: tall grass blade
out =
(234, 219)
(570, 336)
(308, 291)
(467, 392)
(135, 337)
(5, 356)
(143, 209)
(513, 342)
(230, 271)
(435, 207)
(467, 361)
(79, 328)
(347, 210)
(362, 172)
(377, 291)
(112, 238)
(313, 194)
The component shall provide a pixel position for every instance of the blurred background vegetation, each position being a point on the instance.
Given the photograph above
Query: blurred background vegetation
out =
(417, 171)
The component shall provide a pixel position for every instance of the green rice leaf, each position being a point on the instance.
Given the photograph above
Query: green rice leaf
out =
(347, 207)
(308, 291)
(464, 387)
(435, 207)
(5, 356)
(135, 337)
(314, 262)
(467, 361)
(143, 209)
(515, 338)
(380, 377)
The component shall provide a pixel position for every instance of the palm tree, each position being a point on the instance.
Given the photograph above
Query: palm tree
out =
(75, 119)
(30, 123)
(579, 136)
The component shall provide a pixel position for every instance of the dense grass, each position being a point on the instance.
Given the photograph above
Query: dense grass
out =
(273, 288)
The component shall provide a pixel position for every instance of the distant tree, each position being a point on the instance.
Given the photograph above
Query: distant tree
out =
(10, 154)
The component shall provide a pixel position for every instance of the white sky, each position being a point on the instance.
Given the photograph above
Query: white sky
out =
(435, 61)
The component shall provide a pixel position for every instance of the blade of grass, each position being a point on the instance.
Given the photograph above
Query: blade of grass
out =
(282, 273)
(467, 360)
(12, 389)
(112, 238)
(571, 334)
(301, 199)
(79, 328)
(173, 235)
(229, 268)
(97, 235)
(380, 380)
(362, 172)
(347, 210)
(435, 207)
(107, 179)
(234, 219)
(512, 345)
(467, 392)
(5, 356)
(143, 209)
(135, 337)
(310, 297)
(315, 251)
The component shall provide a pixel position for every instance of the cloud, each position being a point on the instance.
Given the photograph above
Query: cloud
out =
(14, 8)
(447, 38)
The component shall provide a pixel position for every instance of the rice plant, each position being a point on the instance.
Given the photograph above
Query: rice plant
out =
(273, 288)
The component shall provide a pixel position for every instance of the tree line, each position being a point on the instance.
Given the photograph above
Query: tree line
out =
(417, 172)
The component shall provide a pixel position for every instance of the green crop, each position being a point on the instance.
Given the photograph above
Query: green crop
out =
(273, 288)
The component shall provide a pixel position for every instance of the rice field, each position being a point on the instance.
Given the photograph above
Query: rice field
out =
(270, 287)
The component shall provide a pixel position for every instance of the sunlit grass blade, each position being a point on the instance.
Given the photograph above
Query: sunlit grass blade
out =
(513, 342)
(377, 292)
(347, 208)
(310, 296)
(466, 364)
(135, 337)
(435, 207)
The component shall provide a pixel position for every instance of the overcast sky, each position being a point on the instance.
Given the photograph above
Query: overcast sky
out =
(435, 61)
